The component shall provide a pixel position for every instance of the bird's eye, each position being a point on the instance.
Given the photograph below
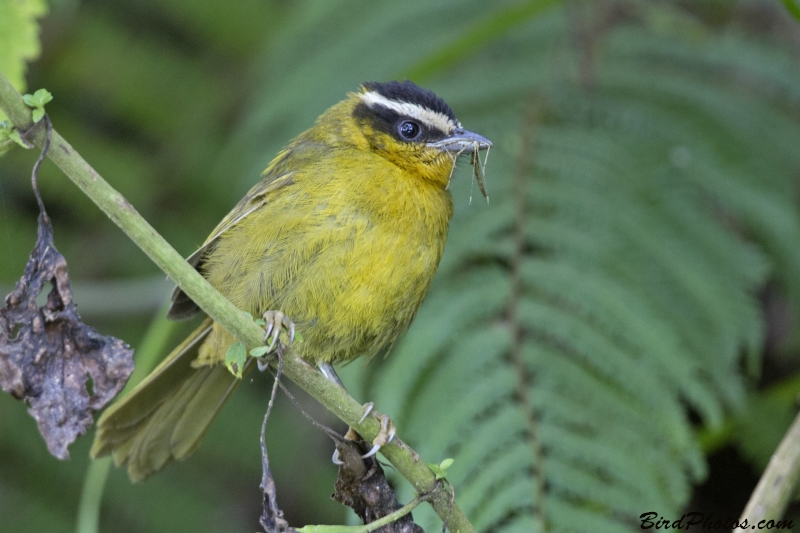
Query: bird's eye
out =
(409, 130)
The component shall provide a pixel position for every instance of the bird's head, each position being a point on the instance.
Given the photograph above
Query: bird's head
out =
(410, 127)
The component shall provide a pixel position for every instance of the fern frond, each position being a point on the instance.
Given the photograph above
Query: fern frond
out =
(608, 291)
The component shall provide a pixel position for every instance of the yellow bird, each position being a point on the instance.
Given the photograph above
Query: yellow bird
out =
(343, 236)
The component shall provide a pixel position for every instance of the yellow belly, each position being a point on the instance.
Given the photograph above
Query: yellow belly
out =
(349, 269)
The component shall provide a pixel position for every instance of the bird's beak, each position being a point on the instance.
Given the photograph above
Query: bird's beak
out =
(462, 141)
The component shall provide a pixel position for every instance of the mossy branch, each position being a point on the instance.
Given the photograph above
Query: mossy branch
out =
(238, 323)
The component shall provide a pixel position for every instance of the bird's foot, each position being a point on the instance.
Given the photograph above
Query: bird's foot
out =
(275, 322)
(386, 433)
(384, 436)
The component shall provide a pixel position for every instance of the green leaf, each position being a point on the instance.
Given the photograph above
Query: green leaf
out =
(20, 42)
(606, 297)
(42, 97)
(38, 99)
(15, 136)
(259, 351)
(235, 358)
(441, 469)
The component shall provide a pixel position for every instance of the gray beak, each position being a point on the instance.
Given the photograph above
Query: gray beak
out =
(462, 141)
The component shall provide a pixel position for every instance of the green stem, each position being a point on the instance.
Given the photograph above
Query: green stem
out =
(235, 321)
(792, 7)
(152, 345)
(92, 496)
(777, 483)
(366, 528)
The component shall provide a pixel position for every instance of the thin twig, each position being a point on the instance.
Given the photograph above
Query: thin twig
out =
(35, 174)
(392, 517)
(325, 429)
(271, 516)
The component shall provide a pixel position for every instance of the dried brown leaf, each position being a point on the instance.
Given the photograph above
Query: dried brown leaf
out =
(62, 368)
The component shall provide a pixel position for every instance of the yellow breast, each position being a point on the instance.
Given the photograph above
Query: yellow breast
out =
(347, 250)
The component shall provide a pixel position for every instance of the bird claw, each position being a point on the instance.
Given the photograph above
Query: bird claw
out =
(275, 321)
(335, 459)
(368, 407)
(384, 436)
(372, 451)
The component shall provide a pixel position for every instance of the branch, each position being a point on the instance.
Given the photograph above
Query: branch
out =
(792, 7)
(235, 321)
(776, 486)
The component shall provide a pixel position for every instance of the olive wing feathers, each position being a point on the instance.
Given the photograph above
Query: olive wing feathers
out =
(182, 307)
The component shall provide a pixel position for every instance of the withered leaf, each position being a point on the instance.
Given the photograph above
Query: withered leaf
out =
(62, 368)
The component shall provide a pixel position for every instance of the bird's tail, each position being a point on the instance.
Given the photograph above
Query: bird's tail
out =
(166, 416)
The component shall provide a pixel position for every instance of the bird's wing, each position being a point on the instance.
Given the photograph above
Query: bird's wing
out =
(166, 416)
(182, 306)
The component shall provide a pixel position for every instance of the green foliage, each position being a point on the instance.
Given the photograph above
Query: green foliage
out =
(441, 469)
(37, 101)
(259, 351)
(609, 290)
(761, 428)
(9, 134)
(19, 38)
(792, 7)
(235, 359)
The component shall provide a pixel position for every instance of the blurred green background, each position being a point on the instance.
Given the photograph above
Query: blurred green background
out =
(614, 333)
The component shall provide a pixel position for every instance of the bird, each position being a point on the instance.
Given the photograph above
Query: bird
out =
(339, 241)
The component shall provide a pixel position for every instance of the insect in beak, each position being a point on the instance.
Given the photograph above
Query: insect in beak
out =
(466, 142)
(462, 141)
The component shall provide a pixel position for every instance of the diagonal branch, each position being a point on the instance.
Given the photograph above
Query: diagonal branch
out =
(235, 321)
(777, 483)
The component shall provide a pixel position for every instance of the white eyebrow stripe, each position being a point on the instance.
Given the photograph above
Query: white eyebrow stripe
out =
(433, 119)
